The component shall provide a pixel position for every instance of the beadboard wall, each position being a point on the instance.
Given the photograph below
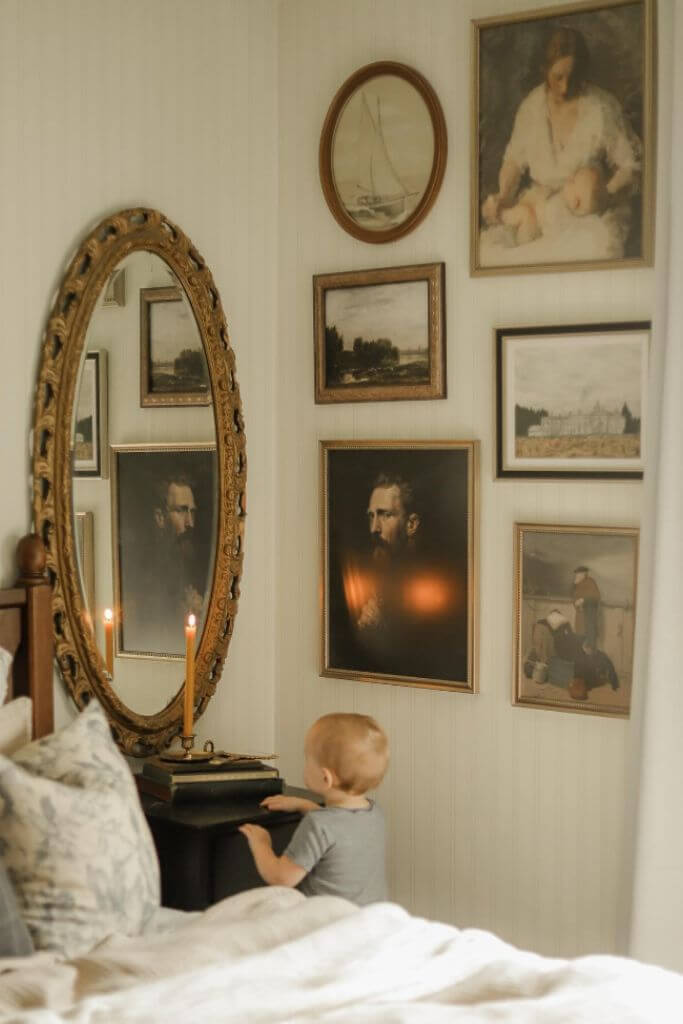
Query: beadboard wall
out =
(503, 818)
(172, 105)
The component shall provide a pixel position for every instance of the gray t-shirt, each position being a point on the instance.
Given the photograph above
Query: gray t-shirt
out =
(343, 851)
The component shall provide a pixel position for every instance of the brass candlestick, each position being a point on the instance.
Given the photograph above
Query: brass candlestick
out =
(188, 753)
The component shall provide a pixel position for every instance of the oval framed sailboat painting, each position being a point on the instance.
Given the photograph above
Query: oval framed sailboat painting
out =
(383, 151)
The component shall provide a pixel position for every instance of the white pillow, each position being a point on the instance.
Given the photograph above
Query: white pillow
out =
(16, 726)
(74, 840)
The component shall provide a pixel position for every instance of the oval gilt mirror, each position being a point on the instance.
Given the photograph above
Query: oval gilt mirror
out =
(139, 471)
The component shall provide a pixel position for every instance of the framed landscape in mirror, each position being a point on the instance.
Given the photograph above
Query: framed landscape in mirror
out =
(90, 448)
(382, 151)
(563, 148)
(164, 512)
(399, 562)
(380, 335)
(575, 607)
(173, 369)
(572, 401)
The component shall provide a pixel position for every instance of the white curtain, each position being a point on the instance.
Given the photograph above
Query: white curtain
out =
(657, 908)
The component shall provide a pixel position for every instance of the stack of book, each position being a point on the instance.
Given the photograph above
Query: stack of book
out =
(202, 781)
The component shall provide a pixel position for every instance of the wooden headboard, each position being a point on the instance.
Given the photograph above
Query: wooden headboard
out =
(26, 632)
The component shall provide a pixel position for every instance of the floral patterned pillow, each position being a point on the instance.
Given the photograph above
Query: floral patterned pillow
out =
(74, 840)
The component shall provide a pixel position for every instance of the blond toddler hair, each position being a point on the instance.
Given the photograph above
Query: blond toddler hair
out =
(354, 747)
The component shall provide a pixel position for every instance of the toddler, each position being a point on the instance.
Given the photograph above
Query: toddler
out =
(337, 849)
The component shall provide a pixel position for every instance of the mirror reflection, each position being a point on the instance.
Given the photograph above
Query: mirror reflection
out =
(144, 478)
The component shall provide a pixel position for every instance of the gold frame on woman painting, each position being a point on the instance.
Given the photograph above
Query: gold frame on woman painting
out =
(548, 195)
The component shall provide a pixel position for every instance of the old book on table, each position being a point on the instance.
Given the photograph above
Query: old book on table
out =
(168, 772)
(210, 788)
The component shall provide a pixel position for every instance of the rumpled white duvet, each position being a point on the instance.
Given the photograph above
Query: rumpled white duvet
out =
(272, 955)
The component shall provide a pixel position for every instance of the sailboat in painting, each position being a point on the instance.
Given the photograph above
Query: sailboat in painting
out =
(380, 194)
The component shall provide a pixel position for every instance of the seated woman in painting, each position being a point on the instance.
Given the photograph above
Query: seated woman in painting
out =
(572, 151)
(560, 656)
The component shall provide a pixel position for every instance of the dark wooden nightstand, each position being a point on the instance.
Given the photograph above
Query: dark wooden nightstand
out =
(203, 857)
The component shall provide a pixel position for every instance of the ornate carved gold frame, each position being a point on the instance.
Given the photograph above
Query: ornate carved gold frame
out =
(81, 663)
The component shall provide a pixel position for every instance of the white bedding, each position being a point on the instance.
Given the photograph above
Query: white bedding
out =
(271, 955)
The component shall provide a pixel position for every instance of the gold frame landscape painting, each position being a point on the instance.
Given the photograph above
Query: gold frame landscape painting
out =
(380, 335)
(572, 401)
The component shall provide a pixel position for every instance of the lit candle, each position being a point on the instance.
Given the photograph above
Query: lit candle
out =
(188, 709)
(109, 640)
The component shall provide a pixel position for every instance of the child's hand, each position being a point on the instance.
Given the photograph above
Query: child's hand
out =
(281, 803)
(289, 803)
(257, 837)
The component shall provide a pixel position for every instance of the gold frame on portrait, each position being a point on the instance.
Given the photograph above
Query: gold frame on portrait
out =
(435, 316)
(646, 257)
(471, 683)
(131, 449)
(540, 698)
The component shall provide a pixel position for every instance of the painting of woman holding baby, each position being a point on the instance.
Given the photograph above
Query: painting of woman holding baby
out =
(563, 164)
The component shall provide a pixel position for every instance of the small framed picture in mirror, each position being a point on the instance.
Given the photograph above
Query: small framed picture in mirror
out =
(173, 368)
(115, 289)
(90, 447)
(85, 550)
(164, 515)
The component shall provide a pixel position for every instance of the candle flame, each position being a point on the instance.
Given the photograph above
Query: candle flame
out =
(191, 620)
(108, 615)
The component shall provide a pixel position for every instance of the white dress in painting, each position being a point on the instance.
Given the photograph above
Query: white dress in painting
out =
(601, 136)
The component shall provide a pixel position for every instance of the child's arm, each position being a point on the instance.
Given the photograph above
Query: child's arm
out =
(289, 803)
(273, 870)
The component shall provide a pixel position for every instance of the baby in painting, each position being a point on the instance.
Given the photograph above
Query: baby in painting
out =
(542, 210)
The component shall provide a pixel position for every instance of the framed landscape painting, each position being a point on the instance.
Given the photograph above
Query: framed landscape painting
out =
(380, 335)
(90, 450)
(399, 562)
(563, 138)
(575, 608)
(173, 369)
(572, 401)
(382, 151)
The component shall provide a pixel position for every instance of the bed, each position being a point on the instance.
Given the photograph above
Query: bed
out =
(268, 954)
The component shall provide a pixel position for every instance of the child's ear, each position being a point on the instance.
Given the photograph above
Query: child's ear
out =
(329, 778)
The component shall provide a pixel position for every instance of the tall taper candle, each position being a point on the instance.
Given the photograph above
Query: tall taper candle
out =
(188, 707)
(109, 640)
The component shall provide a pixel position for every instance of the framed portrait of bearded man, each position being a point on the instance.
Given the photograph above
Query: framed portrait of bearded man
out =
(399, 562)
(164, 509)
(563, 138)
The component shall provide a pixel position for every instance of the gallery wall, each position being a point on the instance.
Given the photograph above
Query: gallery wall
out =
(107, 106)
(500, 817)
